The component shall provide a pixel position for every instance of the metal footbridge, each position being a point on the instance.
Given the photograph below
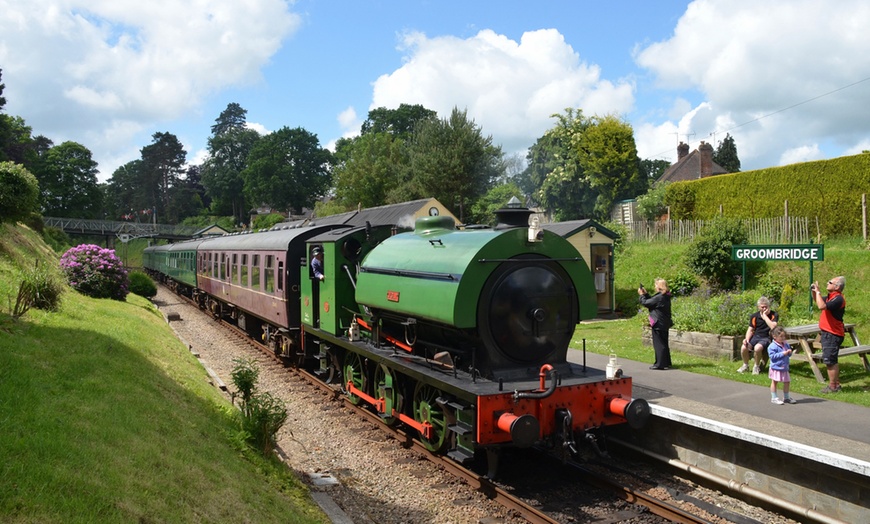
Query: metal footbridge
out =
(121, 229)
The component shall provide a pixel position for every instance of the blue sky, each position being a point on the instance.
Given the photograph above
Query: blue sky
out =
(788, 79)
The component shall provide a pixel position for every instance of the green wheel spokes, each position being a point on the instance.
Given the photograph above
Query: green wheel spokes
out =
(426, 409)
(354, 372)
(388, 389)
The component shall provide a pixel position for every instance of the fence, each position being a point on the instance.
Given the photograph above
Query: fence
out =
(778, 230)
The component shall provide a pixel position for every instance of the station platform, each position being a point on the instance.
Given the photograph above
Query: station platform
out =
(819, 427)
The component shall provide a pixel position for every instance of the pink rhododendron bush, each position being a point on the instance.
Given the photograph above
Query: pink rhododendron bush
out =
(95, 272)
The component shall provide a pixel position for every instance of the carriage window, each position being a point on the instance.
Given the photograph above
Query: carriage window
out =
(245, 271)
(220, 268)
(255, 272)
(235, 270)
(270, 274)
(211, 264)
(280, 275)
(225, 267)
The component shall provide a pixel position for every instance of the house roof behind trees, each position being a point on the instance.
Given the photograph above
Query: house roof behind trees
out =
(692, 166)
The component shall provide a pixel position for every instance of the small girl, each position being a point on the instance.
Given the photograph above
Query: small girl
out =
(779, 353)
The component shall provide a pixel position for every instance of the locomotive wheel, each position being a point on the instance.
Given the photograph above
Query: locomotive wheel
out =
(333, 368)
(355, 372)
(426, 409)
(388, 389)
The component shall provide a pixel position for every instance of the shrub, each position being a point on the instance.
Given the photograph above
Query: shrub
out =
(245, 374)
(710, 254)
(40, 288)
(19, 192)
(95, 272)
(262, 413)
(683, 283)
(142, 285)
(720, 314)
(264, 416)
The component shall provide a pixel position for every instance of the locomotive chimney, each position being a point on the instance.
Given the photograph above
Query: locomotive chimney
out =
(512, 215)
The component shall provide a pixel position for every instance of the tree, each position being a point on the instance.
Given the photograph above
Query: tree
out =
(367, 168)
(162, 165)
(19, 192)
(483, 211)
(451, 160)
(583, 165)
(652, 170)
(68, 182)
(726, 155)
(608, 155)
(228, 149)
(231, 118)
(399, 122)
(124, 192)
(287, 170)
(555, 169)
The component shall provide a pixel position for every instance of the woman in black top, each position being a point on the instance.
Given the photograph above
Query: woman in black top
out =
(659, 306)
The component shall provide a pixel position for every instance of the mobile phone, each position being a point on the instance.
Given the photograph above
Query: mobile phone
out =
(641, 286)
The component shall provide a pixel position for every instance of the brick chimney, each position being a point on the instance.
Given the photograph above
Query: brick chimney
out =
(682, 151)
(706, 151)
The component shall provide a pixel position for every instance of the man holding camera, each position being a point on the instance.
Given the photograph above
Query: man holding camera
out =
(832, 307)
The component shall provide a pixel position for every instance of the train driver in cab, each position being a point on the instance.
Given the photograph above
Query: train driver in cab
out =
(317, 262)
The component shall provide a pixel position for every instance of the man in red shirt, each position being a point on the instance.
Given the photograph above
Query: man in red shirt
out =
(832, 306)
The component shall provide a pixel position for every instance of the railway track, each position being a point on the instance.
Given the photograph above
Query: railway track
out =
(517, 505)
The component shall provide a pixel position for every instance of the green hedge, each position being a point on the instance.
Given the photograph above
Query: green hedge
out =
(827, 190)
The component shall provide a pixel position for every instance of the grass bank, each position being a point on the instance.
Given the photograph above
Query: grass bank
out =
(642, 262)
(106, 417)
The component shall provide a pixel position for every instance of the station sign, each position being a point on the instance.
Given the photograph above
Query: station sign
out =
(778, 252)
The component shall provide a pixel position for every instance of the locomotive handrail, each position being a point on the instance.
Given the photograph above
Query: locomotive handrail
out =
(526, 260)
(407, 273)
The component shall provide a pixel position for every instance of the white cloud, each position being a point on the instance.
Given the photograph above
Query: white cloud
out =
(801, 154)
(510, 89)
(775, 77)
(101, 71)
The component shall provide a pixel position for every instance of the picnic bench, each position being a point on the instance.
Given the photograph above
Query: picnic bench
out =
(807, 335)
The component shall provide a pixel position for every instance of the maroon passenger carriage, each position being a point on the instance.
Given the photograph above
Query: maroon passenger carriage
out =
(253, 278)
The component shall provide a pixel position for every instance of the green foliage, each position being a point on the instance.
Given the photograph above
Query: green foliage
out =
(608, 154)
(812, 189)
(483, 211)
(400, 122)
(245, 375)
(287, 170)
(228, 147)
(142, 285)
(680, 197)
(709, 256)
(369, 171)
(266, 221)
(622, 236)
(264, 414)
(452, 161)
(651, 205)
(67, 177)
(583, 165)
(41, 288)
(720, 314)
(726, 155)
(56, 239)
(683, 282)
(19, 192)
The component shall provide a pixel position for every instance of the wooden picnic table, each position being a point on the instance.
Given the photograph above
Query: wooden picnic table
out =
(807, 335)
